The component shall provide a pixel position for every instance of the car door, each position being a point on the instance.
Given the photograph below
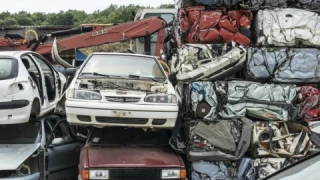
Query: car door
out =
(63, 150)
(35, 76)
(51, 80)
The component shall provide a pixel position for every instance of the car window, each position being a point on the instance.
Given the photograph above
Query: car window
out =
(32, 65)
(49, 125)
(46, 69)
(49, 77)
(166, 16)
(61, 131)
(128, 136)
(8, 68)
(122, 65)
(24, 133)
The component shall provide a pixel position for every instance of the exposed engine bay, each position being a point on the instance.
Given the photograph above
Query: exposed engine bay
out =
(112, 84)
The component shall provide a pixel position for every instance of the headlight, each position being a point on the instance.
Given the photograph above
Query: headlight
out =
(98, 174)
(170, 174)
(87, 95)
(161, 98)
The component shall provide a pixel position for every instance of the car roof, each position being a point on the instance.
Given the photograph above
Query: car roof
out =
(13, 53)
(123, 54)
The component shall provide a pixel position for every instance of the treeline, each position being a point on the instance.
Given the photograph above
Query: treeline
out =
(112, 14)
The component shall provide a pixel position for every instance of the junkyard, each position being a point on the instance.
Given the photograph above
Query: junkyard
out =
(192, 90)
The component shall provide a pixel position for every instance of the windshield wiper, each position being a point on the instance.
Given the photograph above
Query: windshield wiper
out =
(143, 77)
(103, 75)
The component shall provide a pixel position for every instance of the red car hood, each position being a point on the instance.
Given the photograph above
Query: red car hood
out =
(131, 157)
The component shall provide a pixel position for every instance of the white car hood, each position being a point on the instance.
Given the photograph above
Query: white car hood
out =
(13, 155)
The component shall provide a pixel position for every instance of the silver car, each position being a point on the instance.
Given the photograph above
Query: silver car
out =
(45, 149)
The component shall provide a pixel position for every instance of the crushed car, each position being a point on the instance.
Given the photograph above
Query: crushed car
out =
(219, 140)
(272, 102)
(45, 148)
(287, 27)
(283, 65)
(194, 62)
(308, 103)
(30, 86)
(205, 170)
(204, 100)
(121, 89)
(280, 139)
(198, 25)
(267, 166)
(254, 5)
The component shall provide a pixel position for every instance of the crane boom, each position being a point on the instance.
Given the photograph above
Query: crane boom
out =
(100, 35)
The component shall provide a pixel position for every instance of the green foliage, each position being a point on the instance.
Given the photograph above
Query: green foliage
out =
(113, 14)
(166, 6)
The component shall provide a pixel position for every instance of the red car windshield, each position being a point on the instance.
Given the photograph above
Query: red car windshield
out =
(128, 136)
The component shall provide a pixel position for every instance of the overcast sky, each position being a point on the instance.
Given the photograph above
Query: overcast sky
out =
(57, 5)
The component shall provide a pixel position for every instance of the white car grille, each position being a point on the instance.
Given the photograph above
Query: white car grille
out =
(122, 99)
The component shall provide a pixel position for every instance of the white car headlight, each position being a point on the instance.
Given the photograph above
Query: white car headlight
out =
(161, 98)
(86, 95)
(98, 174)
(170, 174)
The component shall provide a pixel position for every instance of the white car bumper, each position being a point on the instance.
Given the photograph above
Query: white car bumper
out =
(14, 112)
(121, 114)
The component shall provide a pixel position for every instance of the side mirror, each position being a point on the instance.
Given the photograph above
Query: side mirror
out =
(57, 141)
(71, 71)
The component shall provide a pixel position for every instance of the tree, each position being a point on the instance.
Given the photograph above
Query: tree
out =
(8, 22)
(38, 18)
(166, 6)
(112, 14)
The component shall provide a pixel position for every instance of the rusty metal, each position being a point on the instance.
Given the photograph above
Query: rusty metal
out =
(100, 35)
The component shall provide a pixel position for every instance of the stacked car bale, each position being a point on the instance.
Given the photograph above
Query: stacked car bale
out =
(212, 46)
(248, 79)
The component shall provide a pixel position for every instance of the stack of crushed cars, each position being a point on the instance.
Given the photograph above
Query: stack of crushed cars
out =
(248, 74)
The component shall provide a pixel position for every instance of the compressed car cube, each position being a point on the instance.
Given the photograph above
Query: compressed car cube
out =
(218, 140)
(280, 139)
(287, 27)
(198, 25)
(261, 101)
(283, 65)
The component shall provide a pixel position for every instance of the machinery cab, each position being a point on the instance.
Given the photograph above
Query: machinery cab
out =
(166, 14)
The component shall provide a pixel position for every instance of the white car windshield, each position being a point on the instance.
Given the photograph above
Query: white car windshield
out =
(122, 66)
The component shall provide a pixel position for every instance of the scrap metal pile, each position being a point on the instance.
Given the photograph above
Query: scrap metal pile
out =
(248, 74)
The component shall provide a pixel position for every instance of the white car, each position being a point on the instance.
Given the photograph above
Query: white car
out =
(29, 86)
(121, 89)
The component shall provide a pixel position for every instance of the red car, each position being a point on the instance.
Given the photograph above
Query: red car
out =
(129, 153)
